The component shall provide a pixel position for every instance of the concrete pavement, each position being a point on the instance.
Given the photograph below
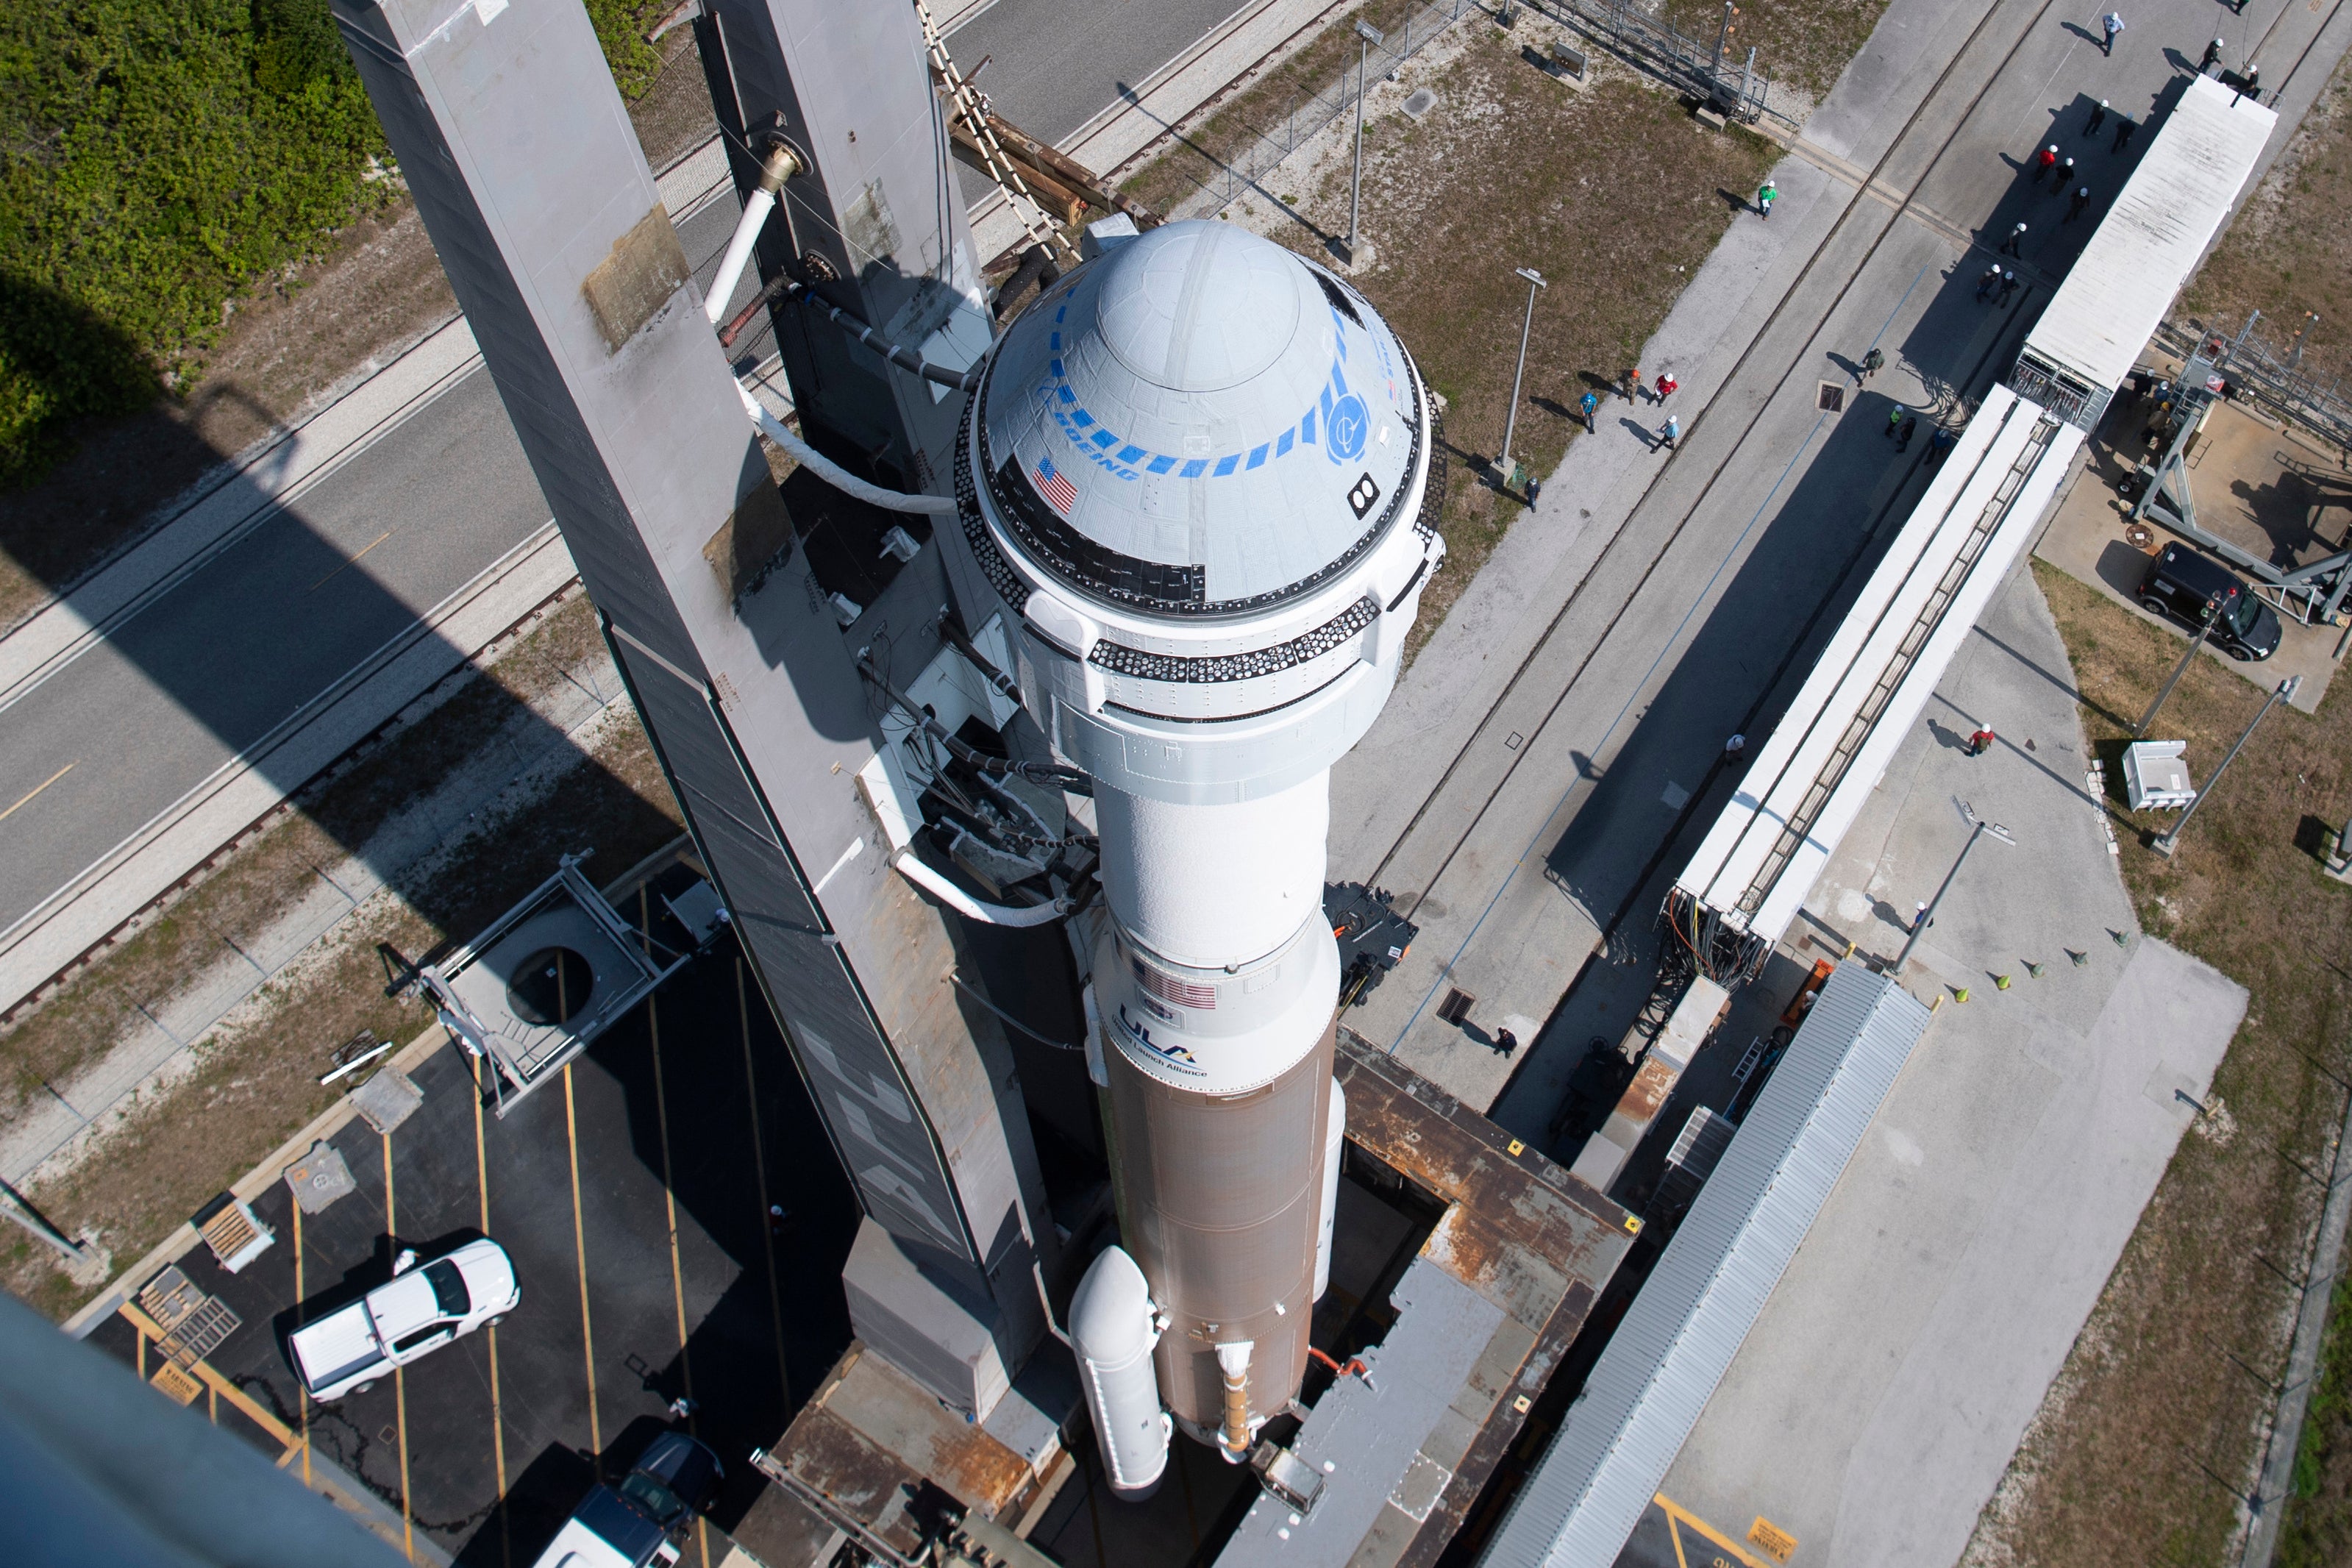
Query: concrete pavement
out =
(1558, 736)
(1874, 1407)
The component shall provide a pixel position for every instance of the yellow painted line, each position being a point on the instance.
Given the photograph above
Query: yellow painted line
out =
(497, 1417)
(579, 1250)
(330, 577)
(669, 1195)
(238, 1397)
(760, 1170)
(301, 1395)
(38, 788)
(399, 1377)
(1677, 1514)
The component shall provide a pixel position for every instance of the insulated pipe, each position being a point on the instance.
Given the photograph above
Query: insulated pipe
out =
(1113, 1328)
(834, 474)
(1234, 1437)
(964, 904)
(779, 166)
(1335, 1138)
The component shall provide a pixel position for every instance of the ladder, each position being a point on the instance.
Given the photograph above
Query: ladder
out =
(1906, 654)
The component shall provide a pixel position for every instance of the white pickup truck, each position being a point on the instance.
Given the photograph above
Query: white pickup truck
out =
(418, 1310)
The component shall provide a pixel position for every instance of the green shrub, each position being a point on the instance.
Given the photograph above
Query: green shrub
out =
(158, 157)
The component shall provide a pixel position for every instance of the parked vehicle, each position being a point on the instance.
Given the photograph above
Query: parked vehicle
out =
(642, 1521)
(418, 1310)
(2180, 583)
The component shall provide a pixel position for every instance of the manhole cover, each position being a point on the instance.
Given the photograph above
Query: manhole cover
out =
(2139, 536)
(318, 1178)
(1832, 398)
(549, 986)
(1422, 102)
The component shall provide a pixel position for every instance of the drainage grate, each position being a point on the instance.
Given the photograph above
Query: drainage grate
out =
(1457, 1006)
(1831, 399)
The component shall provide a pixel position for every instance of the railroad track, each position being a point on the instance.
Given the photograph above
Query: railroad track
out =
(1624, 536)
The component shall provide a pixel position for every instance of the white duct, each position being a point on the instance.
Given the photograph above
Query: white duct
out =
(1113, 1328)
(1335, 1138)
(832, 473)
(738, 252)
(964, 904)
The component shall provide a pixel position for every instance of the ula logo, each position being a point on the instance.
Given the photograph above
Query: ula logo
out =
(1176, 1057)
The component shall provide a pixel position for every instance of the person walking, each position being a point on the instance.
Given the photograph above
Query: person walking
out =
(2212, 54)
(1766, 194)
(1733, 747)
(1939, 443)
(2098, 118)
(1628, 383)
(1870, 364)
(1505, 1043)
(1981, 742)
(2045, 160)
(2064, 176)
(1535, 489)
(2007, 286)
(1669, 435)
(1988, 283)
(1634, 391)
(1919, 916)
(1666, 385)
(2082, 198)
(1903, 436)
(2011, 247)
(1589, 405)
(2110, 24)
(1894, 421)
(2124, 126)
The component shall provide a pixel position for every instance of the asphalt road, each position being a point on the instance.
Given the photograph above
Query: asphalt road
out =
(148, 713)
(115, 737)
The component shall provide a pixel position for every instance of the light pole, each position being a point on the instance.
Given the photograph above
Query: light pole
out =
(1978, 828)
(2283, 694)
(2204, 630)
(1366, 37)
(1511, 422)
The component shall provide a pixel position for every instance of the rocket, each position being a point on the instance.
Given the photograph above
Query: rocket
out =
(1200, 469)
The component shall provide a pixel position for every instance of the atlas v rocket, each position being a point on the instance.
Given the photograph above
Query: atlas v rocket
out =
(1199, 469)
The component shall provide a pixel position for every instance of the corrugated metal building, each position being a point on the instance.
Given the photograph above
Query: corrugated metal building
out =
(1691, 1316)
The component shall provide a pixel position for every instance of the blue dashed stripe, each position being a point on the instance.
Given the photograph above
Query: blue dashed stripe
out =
(1303, 436)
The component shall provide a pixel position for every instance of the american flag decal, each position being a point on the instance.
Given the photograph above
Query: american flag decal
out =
(1055, 486)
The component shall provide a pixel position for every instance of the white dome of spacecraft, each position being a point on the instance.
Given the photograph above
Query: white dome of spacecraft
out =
(1198, 423)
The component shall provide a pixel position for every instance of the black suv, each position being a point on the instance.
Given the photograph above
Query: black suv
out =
(2179, 585)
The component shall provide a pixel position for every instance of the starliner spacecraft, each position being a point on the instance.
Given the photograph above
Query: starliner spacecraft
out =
(1199, 469)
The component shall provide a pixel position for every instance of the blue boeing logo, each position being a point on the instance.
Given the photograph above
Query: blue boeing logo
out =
(1344, 430)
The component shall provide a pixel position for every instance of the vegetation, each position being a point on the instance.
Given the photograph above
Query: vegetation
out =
(157, 158)
(2152, 1430)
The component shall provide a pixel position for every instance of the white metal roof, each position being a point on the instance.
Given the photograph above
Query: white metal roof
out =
(1690, 1317)
(2152, 239)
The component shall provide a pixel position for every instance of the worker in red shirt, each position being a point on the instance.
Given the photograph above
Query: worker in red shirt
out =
(2045, 160)
(1666, 384)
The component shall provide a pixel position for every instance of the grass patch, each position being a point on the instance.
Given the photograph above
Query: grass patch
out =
(251, 1087)
(158, 159)
(2318, 1529)
(2152, 1424)
(1803, 43)
(1615, 194)
(2283, 254)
